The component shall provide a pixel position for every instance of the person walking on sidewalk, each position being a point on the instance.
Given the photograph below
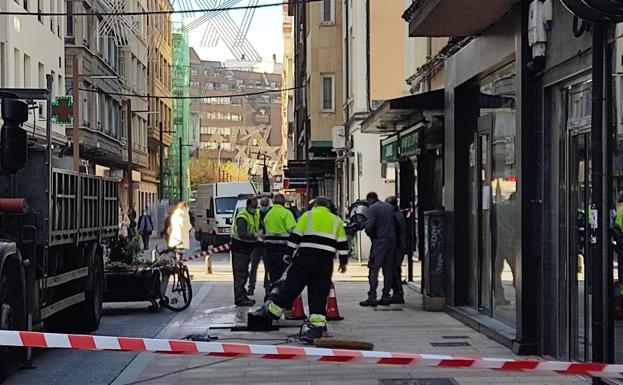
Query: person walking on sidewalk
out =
(381, 229)
(398, 295)
(178, 227)
(145, 227)
(244, 236)
(278, 224)
(318, 236)
(258, 252)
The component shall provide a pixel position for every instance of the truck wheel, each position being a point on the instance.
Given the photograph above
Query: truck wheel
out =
(89, 313)
(9, 320)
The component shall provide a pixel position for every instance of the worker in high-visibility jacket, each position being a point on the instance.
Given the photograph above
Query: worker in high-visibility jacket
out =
(278, 223)
(245, 233)
(317, 238)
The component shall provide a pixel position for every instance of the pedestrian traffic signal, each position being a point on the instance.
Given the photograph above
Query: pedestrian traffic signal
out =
(13, 138)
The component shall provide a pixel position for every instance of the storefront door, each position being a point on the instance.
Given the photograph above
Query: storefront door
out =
(485, 303)
(576, 227)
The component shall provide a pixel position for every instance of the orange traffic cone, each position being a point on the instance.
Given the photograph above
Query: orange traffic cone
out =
(298, 312)
(333, 313)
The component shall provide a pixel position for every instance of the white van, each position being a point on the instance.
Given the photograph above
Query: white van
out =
(214, 209)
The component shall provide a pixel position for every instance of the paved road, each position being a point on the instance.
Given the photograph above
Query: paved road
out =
(84, 367)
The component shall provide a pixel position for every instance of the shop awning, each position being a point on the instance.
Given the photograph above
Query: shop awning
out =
(396, 114)
(445, 18)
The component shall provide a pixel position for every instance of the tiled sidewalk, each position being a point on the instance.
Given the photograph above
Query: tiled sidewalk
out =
(401, 329)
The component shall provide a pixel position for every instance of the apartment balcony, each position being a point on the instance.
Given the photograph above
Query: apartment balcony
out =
(445, 18)
(154, 137)
(98, 147)
(140, 158)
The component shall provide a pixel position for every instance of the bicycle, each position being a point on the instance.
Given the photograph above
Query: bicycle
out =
(176, 290)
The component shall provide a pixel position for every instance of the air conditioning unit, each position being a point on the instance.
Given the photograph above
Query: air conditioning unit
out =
(339, 137)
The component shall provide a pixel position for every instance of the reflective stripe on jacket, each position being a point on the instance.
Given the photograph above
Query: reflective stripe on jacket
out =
(278, 223)
(319, 232)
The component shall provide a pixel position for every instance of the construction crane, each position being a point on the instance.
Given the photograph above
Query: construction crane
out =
(220, 26)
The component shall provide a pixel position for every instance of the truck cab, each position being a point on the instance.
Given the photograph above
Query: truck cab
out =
(214, 210)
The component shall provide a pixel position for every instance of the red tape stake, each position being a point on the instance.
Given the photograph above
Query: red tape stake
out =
(217, 349)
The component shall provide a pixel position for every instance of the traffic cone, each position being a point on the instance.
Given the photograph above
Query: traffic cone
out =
(298, 312)
(333, 313)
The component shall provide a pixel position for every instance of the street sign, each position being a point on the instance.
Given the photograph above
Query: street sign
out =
(277, 182)
(63, 110)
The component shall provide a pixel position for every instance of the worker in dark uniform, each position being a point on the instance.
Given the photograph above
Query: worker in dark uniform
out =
(278, 223)
(258, 252)
(318, 236)
(382, 231)
(398, 295)
(244, 235)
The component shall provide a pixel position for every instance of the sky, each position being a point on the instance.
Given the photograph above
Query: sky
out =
(265, 32)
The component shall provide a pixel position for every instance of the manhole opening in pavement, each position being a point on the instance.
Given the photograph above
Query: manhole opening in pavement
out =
(456, 337)
(421, 381)
(449, 344)
(390, 309)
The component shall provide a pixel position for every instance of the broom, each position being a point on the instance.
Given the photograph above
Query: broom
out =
(334, 343)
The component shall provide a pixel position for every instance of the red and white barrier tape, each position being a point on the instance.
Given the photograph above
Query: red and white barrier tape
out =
(217, 349)
(213, 250)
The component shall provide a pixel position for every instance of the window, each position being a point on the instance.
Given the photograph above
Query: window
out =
(326, 10)
(70, 18)
(26, 71)
(41, 76)
(327, 102)
(16, 67)
(2, 66)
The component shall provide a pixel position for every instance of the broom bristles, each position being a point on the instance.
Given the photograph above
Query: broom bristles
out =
(334, 343)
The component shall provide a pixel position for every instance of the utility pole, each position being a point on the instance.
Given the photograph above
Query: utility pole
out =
(75, 135)
(161, 161)
(130, 160)
(181, 180)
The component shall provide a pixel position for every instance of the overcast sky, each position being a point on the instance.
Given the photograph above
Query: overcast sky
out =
(265, 33)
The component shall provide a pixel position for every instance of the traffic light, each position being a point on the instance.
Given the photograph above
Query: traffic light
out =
(13, 138)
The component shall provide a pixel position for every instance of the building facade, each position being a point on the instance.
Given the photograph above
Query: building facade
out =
(244, 129)
(318, 52)
(531, 170)
(31, 47)
(160, 60)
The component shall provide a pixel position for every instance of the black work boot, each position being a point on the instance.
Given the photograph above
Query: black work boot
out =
(251, 291)
(385, 300)
(245, 302)
(312, 333)
(368, 303)
(397, 299)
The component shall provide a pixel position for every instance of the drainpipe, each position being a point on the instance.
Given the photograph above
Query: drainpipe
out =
(368, 54)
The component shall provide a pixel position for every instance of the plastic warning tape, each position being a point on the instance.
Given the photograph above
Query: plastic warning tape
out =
(213, 250)
(217, 349)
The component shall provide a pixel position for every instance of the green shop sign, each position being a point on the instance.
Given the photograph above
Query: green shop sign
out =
(389, 149)
(410, 142)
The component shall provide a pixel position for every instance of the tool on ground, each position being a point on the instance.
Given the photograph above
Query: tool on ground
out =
(282, 352)
(334, 343)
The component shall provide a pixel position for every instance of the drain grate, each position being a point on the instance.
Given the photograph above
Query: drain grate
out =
(421, 381)
(449, 344)
(389, 309)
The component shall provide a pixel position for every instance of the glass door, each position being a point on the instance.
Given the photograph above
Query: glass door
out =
(485, 304)
(580, 222)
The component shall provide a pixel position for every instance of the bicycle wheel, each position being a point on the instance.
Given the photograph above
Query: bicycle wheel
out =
(179, 291)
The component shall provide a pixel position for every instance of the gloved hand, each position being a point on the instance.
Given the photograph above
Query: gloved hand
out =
(342, 269)
(259, 234)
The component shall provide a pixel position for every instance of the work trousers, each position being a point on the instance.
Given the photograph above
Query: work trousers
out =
(397, 273)
(256, 256)
(381, 257)
(311, 271)
(240, 267)
(273, 262)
